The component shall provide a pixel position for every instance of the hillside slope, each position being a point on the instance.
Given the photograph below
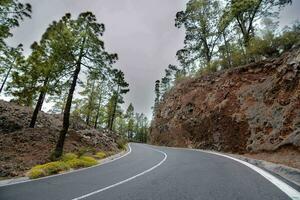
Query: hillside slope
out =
(253, 108)
(22, 147)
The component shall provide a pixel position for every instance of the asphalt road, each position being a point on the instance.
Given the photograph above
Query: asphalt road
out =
(154, 173)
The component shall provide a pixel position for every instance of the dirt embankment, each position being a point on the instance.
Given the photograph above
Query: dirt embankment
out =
(250, 109)
(22, 147)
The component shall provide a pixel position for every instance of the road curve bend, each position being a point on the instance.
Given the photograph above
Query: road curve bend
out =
(155, 173)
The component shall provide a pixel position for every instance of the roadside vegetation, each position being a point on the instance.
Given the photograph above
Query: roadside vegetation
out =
(70, 69)
(67, 162)
(223, 34)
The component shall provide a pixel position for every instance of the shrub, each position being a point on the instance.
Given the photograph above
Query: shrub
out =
(100, 155)
(83, 161)
(83, 151)
(109, 153)
(89, 160)
(68, 156)
(56, 167)
(48, 169)
(121, 143)
(36, 173)
(67, 161)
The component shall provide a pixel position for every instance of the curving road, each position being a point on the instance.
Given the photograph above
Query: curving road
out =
(155, 173)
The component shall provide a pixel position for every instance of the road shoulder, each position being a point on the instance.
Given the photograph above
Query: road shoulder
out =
(290, 174)
(24, 179)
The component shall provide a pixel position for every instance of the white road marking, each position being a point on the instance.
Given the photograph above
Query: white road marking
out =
(78, 170)
(284, 187)
(288, 190)
(126, 180)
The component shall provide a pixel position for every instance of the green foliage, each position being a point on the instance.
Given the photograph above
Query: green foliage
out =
(36, 173)
(141, 128)
(69, 156)
(81, 162)
(69, 49)
(246, 12)
(9, 60)
(11, 13)
(290, 37)
(83, 151)
(121, 143)
(100, 155)
(120, 88)
(200, 19)
(86, 49)
(225, 34)
(130, 121)
(67, 161)
(270, 45)
(48, 169)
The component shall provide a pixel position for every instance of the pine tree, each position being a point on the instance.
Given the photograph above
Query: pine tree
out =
(200, 19)
(130, 121)
(46, 66)
(11, 13)
(246, 12)
(102, 92)
(9, 61)
(90, 93)
(141, 128)
(157, 96)
(117, 98)
(88, 53)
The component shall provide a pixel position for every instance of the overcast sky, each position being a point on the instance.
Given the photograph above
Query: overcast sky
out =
(142, 32)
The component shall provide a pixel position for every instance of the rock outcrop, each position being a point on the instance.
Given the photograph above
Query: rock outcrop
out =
(22, 147)
(252, 108)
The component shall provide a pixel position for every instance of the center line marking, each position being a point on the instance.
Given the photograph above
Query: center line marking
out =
(126, 180)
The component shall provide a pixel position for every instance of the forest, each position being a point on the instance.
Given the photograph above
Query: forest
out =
(69, 69)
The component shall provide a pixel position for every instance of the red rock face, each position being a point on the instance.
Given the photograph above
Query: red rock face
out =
(247, 109)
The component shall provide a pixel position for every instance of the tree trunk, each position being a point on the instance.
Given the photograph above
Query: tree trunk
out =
(66, 119)
(64, 104)
(6, 77)
(229, 60)
(98, 111)
(87, 120)
(114, 110)
(88, 117)
(39, 105)
(207, 53)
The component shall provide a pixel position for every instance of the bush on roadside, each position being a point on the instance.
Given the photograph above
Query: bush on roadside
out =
(121, 143)
(48, 169)
(83, 151)
(69, 156)
(67, 161)
(36, 173)
(100, 155)
(83, 161)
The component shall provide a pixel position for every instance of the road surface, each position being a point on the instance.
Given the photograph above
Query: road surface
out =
(154, 173)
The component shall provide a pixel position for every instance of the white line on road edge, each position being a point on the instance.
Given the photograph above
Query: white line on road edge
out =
(291, 192)
(126, 180)
(288, 190)
(69, 172)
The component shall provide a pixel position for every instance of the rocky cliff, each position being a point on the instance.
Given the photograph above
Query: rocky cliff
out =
(252, 108)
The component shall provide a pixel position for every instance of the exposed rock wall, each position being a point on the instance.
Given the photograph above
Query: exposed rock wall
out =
(247, 109)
